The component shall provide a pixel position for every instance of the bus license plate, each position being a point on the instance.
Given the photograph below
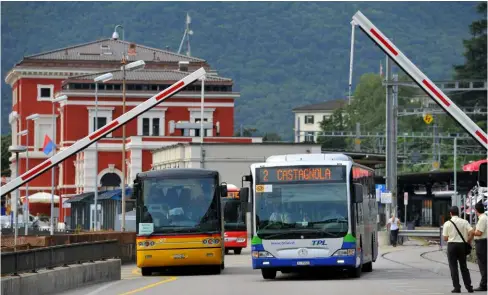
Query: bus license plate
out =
(303, 263)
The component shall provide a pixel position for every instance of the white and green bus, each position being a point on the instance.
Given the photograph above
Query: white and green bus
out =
(312, 210)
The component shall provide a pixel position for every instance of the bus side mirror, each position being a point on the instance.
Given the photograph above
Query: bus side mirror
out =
(244, 195)
(135, 190)
(358, 193)
(223, 190)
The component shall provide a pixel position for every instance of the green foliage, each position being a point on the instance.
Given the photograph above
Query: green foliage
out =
(6, 142)
(272, 136)
(474, 66)
(280, 54)
(475, 49)
(246, 132)
(368, 108)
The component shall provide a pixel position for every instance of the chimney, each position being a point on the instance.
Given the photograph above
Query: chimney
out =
(183, 66)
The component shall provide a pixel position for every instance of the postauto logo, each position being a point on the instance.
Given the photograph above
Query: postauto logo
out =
(146, 243)
(211, 241)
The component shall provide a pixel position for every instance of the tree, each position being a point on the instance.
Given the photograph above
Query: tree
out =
(475, 50)
(246, 132)
(336, 122)
(272, 136)
(474, 66)
(6, 142)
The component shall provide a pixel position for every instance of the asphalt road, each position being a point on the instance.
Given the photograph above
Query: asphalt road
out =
(400, 270)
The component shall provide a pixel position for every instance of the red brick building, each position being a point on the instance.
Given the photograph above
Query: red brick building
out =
(70, 71)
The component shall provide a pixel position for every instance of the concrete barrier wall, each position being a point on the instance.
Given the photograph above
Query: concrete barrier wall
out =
(62, 278)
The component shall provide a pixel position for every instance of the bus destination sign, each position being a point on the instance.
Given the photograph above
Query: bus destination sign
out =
(301, 174)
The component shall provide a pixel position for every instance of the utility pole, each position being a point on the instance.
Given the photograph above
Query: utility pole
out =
(391, 164)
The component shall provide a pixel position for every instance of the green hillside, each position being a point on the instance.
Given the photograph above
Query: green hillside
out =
(280, 54)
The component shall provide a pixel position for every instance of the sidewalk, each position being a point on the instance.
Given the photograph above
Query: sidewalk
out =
(440, 257)
(428, 258)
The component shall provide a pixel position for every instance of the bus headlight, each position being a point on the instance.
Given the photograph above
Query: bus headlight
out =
(261, 254)
(345, 252)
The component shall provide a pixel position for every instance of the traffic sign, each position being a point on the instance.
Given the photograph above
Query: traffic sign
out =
(416, 157)
(435, 165)
(405, 198)
(428, 118)
(386, 198)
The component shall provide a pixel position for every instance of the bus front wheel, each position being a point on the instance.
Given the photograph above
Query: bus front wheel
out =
(355, 272)
(146, 272)
(237, 251)
(268, 274)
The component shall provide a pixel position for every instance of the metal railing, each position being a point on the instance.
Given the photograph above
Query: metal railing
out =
(429, 233)
(55, 256)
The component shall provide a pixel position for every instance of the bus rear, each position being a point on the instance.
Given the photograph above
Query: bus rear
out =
(312, 211)
(234, 221)
(179, 220)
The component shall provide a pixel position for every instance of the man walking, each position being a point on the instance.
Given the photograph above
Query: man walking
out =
(393, 225)
(480, 244)
(457, 232)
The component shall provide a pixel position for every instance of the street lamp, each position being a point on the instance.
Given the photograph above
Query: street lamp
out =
(26, 203)
(16, 149)
(54, 100)
(102, 78)
(133, 66)
(32, 117)
(125, 67)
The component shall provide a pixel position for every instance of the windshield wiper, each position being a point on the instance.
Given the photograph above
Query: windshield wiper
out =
(278, 223)
(330, 220)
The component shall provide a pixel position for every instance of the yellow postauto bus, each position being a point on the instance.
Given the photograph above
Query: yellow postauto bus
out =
(179, 219)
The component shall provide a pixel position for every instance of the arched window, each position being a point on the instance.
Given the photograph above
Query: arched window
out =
(110, 181)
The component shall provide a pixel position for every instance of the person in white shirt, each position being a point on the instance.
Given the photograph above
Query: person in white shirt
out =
(480, 244)
(393, 225)
(456, 248)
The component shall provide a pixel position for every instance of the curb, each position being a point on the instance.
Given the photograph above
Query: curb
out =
(445, 272)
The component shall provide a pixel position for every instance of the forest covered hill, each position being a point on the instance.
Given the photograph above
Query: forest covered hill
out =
(280, 54)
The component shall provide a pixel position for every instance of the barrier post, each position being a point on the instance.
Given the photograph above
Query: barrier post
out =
(441, 242)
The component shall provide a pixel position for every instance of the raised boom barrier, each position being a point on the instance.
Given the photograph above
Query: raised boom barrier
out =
(100, 133)
(420, 78)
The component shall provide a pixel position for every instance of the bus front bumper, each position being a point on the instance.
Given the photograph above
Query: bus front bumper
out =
(339, 261)
(179, 257)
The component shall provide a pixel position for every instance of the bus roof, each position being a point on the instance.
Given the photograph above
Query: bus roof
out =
(308, 158)
(178, 172)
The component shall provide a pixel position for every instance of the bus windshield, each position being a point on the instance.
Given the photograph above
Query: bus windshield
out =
(295, 210)
(181, 205)
(233, 217)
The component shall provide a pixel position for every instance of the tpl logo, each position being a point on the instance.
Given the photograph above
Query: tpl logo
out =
(319, 243)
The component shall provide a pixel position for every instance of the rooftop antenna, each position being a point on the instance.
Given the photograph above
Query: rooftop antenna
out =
(187, 34)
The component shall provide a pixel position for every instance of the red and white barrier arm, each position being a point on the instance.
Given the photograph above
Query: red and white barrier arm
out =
(100, 133)
(420, 78)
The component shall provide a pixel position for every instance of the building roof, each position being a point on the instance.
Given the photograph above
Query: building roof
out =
(110, 50)
(146, 75)
(323, 106)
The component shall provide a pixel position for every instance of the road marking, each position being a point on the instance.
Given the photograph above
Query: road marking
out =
(136, 271)
(102, 288)
(150, 286)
